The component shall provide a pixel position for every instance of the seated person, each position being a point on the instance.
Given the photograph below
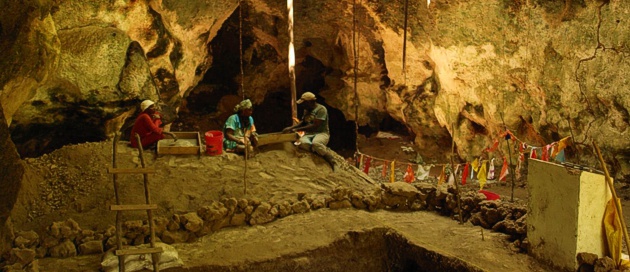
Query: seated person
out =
(315, 126)
(239, 129)
(147, 125)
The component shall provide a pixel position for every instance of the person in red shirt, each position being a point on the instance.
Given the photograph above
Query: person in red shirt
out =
(147, 125)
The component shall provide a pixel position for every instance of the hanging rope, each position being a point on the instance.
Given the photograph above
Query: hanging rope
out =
(404, 57)
(240, 43)
(356, 64)
(292, 63)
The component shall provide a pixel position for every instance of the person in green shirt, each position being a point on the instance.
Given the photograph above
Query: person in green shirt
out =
(315, 126)
(239, 129)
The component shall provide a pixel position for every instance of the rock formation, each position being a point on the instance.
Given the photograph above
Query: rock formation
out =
(75, 71)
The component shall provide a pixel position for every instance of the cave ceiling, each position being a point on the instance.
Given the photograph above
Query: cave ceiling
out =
(75, 71)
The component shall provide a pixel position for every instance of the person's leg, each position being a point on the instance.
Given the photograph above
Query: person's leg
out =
(319, 143)
(151, 140)
(306, 142)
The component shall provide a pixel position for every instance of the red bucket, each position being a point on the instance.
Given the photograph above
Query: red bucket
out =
(214, 142)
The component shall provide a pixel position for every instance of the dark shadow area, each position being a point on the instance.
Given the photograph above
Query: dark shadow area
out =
(372, 250)
(222, 77)
(78, 126)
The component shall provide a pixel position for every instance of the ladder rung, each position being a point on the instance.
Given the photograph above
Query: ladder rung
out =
(138, 251)
(133, 207)
(112, 170)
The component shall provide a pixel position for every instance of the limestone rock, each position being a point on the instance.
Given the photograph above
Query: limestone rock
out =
(171, 237)
(587, 258)
(91, 247)
(21, 256)
(343, 204)
(192, 222)
(403, 189)
(301, 207)
(26, 239)
(262, 214)
(63, 250)
(238, 219)
(68, 229)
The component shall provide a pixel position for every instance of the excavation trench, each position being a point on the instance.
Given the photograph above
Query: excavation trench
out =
(379, 249)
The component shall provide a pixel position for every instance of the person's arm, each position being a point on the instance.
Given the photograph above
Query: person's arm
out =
(307, 127)
(150, 124)
(229, 134)
(172, 135)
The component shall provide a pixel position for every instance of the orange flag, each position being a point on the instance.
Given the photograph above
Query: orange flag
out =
(409, 177)
(561, 145)
(494, 147)
(504, 170)
(384, 171)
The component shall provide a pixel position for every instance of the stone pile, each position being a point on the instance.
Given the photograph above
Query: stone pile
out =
(67, 239)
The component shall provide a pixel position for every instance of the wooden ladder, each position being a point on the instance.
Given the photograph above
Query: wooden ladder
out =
(120, 208)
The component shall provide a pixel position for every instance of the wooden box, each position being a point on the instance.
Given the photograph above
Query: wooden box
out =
(187, 143)
(273, 138)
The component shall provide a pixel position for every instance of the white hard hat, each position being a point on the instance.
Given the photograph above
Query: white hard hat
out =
(146, 104)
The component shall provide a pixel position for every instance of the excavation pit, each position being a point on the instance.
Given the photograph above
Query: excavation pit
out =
(372, 250)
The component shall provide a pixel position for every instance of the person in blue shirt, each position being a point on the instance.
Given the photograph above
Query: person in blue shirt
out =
(315, 126)
(239, 129)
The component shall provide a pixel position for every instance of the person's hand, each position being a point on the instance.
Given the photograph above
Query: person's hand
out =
(156, 116)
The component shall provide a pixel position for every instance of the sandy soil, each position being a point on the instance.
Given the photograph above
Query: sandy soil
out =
(73, 183)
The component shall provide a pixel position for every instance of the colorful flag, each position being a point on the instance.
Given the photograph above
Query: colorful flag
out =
(422, 173)
(465, 174)
(491, 171)
(442, 177)
(504, 170)
(475, 165)
(392, 176)
(409, 177)
(494, 147)
(481, 175)
(384, 171)
(545, 153)
(522, 147)
(560, 146)
(360, 161)
(366, 166)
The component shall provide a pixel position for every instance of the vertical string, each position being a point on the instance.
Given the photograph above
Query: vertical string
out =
(404, 53)
(356, 64)
(240, 44)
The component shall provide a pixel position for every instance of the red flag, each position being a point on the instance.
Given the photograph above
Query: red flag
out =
(384, 172)
(533, 155)
(366, 167)
(522, 147)
(409, 174)
(545, 154)
(504, 170)
(494, 147)
(465, 174)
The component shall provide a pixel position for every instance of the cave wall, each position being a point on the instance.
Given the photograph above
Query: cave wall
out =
(545, 69)
(12, 170)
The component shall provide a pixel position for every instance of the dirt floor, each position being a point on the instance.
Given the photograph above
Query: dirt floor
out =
(73, 182)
